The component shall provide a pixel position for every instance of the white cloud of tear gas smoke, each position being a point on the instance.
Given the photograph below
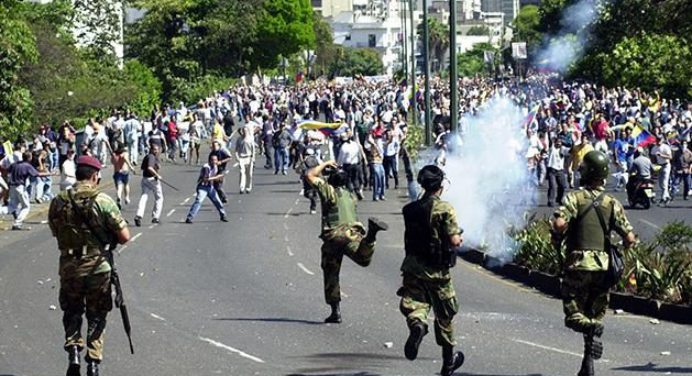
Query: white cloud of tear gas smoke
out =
(568, 45)
(488, 178)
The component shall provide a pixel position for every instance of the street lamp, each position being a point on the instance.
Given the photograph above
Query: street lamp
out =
(426, 66)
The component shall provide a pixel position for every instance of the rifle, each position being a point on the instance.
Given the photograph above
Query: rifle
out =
(108, 253)
(119, 297)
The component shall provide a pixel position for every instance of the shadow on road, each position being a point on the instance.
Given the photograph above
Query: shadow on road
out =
(652, 367)
(494, 374)
(345, 364)
(332, 374)
(285, 182)
(270, 319)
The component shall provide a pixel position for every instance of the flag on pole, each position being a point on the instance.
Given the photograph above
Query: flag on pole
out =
(642, 137)
(328, 129)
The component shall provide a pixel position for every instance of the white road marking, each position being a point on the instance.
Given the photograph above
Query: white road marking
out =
(285, 226)
(157, 317)
(170, 213)
(306, 270)
(650, 224)
(122, 249)
(288, 212)
(343, 294)
(286, 238)
(560, 351)
(185, 201)
(136, 236)
(231, 349)
(297, 201)
(288, 249)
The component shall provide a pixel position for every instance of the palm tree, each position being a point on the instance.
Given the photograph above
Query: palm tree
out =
(439, 41)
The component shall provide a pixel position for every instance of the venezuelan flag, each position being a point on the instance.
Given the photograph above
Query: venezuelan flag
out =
(531, 117)
(642, 137)
(328, 129)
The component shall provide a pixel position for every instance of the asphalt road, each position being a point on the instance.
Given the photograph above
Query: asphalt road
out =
(245, 298)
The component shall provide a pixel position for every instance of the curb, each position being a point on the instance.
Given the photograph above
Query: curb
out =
(550, 285)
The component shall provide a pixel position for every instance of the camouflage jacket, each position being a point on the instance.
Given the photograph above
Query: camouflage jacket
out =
(67, 228)
(444, 224)
(330, 206)
(573, 203)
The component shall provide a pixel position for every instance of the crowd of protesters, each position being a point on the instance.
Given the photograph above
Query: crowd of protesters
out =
(564, 121)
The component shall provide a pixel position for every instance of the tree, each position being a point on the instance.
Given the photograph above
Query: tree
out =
(357, 61)
(652, 62)
(471, 63)
(439, 41)
(526, 27)
(17, 46)
(478, 30)
(283, 28)
(325, 49)
(98, 25)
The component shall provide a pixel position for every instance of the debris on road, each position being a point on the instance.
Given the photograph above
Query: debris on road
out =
(665, 353)
(52, 307)
(619, 312)
(654, 321)
(388, 345)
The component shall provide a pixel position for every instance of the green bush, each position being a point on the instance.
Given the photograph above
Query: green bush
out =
(534, 248)
(662, 268)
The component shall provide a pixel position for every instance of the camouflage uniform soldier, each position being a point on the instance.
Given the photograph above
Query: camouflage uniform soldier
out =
(431, 238)
(83, 220)
(584, 287)
(342, 234)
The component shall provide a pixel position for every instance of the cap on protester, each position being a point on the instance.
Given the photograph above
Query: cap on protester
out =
(87, 160)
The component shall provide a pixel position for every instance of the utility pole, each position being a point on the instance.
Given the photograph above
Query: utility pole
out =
(426, 66)
(404, 36)
(413, 65)
(453, 77)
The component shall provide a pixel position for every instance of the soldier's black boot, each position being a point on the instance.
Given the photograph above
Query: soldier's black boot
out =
(335, 317)
(73, 361)
(416, 333)
(587, 360)
(451, 360)
(92, 367)
(374, 226)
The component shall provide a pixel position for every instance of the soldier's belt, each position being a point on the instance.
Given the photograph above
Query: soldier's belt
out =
(85, 251)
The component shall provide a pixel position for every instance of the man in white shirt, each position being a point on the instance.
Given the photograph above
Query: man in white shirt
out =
(663, 155)
(68, 172)
(556, 176)
(350, 156)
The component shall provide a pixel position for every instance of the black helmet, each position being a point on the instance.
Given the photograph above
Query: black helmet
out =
(430, 178)
(594, 166)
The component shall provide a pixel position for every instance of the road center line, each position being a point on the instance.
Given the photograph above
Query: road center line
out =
(560, 351)
(650, 224)
(136, 236)
(285, 226)
(185, 201)
(122, 249)
(170, 213)
(231, 349)
(288, 212)
(157, 317)
(288, 249)
(306, 270)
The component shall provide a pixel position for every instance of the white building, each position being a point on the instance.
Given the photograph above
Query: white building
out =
(373, 24)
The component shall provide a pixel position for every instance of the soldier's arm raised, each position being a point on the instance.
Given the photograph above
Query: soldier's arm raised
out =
(313, 174)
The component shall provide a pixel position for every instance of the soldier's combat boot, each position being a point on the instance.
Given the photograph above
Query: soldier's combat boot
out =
(73, 361)
(587, 360)
(451, 360)
(92, 367)
(374, 226)
(416, 333)
(335, 317)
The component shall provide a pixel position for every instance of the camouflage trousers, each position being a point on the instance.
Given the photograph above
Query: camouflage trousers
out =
(91, 294)
(584, 299)
(343, 241)
(418, 297)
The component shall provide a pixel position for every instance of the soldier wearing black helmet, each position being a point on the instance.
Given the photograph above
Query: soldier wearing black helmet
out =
(431, 238)
(585, 221)
(342, 234)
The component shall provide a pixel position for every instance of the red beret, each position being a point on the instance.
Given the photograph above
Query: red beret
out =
(87, 160)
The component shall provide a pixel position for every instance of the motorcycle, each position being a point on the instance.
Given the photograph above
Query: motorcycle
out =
(643, 193)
